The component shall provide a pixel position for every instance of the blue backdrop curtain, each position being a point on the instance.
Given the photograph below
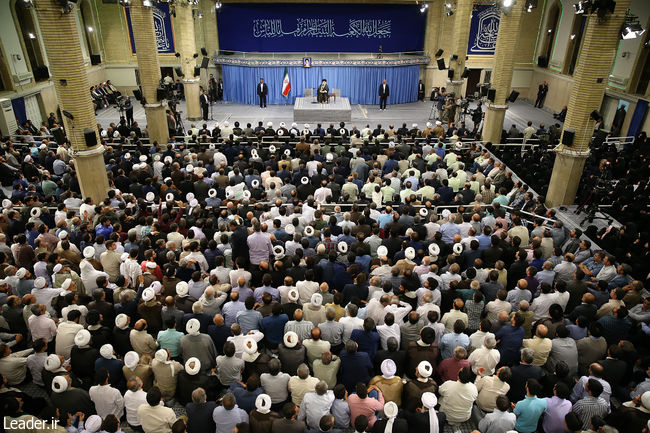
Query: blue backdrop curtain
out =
(637, 118)
(20, 112)
(358, 83)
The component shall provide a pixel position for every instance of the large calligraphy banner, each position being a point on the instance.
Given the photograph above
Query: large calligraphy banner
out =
(484, 30)
(162, 24)
(293, 27)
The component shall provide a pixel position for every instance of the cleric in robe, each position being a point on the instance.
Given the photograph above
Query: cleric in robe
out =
(323, 91)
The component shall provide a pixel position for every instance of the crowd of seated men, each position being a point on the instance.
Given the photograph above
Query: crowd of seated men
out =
(104, 94)
(313, 287)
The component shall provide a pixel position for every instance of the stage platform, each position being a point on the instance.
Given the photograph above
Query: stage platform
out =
(308, 110)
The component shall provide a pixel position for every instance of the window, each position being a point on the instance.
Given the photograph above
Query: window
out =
(550, 31)
(575, 42)
(26, 26)
(640, 78)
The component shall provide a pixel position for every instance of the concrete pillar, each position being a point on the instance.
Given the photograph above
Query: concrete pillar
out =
(504, 56)
(209, 28)
(184, 23)
(432, 42)
(71, 85)
(149, 69)
(589, 81)
(460, 34)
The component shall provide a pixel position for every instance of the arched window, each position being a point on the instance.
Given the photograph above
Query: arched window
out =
(89, 27)
(26, 26)
(550, 31)
(575, 42)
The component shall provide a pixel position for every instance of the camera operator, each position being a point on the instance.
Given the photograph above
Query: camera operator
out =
(449, 113)
(127, 106)
(477, 115)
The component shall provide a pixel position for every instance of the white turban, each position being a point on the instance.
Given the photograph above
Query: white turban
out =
(93, 423)
(107, 351)
(429, 401)
(60, 384)
(263, 403)
(131, 360)
(388, 368)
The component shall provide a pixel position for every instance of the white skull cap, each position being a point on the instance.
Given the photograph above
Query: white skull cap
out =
(6, 203)
(52, 362)
(269, 124)
(182, 289)
(57, 268)
(263, 403)
(107, 351)
(189, 168)
(82, 338)
(39, 283)
(66, 284)
(121, 320)
(250, 345)
(388, 368)
(409, 253)
(317, 299)
(161, 355)
(93, 423)
(89, 252)
(62, 234)
(193, 327)
(382, 251)
(148, 294)
(391, 409)
(193, 366)
(60, 384)
(150, 196)
(425, 369)
(290, 339)
(143, 158)
(20, 273)
(131, 359)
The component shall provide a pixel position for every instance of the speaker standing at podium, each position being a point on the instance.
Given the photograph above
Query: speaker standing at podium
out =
(384, 92)
(262, 91)
(205, 103)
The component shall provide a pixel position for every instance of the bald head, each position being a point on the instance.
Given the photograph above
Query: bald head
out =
(542, 331)
(218, 320)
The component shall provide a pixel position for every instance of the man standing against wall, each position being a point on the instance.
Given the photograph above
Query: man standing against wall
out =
(384, 92)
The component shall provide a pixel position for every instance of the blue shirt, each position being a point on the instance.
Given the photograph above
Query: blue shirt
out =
(450, 341)
(245, 398)
(528, 412)
(341, 411)
(448, 231)
(367, 341)
(273, 328)
(275, 293)
(249, 320)
(510, 343)
(226, 420)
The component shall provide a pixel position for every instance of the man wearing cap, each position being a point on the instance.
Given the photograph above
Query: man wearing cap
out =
(194, 376)
(83, 357)
(165, 372)
(68, 399)
(414, 389)
(197, 345)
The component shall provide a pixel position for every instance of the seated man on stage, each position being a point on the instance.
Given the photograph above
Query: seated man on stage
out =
(323, 92)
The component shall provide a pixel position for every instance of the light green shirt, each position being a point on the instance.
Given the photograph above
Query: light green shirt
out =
(169, 339)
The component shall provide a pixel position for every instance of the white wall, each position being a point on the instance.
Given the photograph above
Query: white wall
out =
(11, 40)
(121, 76)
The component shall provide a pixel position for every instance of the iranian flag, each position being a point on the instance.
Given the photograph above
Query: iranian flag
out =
(286, 84)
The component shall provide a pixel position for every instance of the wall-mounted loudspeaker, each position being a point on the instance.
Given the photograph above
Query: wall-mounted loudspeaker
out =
(513, 96)
(204, 51)
(542, 62)
(465, 73)
(439, 52)
(90, 137)
(197, 71)
(179, 71)
(137, 94)
(595, 115)
(160, 93)
(450, 74)
(205, 62)
(568, 136)
(441, 64)
(491, 94)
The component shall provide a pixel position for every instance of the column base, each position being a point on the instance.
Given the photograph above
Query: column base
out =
(455, 86)
(91, 170)
(192, 96)
(157, 123)
(565, 178)
(493, 122)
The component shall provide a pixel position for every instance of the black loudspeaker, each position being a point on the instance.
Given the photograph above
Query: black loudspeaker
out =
(205, 62)
(197, 71)
(542, 62)
(41, 73)
(450, 74)
(568, 136)
(90, 137)
(454, 57)
(491, 94)
(483, 88)
(465, 73)
(179, 71)
(441, 64)
(58, 134)
(513, 96)
(95, 59)
(137, 94)
(439, 52)
(160, 93)
(204, 51)
(595, 115)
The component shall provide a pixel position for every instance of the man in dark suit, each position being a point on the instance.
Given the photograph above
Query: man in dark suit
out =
(542, 90)
(420, 91)
(205, 103)
(262, 91)
(384, 92)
